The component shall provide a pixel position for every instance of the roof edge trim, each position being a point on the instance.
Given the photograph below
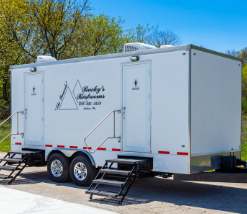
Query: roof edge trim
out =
(214, 52)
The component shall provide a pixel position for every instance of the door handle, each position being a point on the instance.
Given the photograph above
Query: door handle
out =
(124, 108)
(123, 114)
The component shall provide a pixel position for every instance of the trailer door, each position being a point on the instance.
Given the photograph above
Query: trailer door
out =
(136, 107)
(34, 109)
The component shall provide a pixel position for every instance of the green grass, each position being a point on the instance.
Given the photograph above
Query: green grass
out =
(4, 131)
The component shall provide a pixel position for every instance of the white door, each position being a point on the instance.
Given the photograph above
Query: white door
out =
(136, 107)
(34, 109)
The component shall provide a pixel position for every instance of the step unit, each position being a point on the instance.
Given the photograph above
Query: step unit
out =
(127, 177)
(17, 164)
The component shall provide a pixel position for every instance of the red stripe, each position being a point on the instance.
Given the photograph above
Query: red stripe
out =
(17, 143)
(60, 146)
(48, 145)
(182, 153)
(101, 149)
(73, 147)
(86, 147)
(163, 152)
(116, 150)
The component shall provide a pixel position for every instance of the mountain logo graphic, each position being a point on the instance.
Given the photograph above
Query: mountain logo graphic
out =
(68, 101)
(77, 90)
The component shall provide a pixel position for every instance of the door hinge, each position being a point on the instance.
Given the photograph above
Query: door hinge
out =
(42, 119)
(42, 81)
(42, 138)
(42, 99)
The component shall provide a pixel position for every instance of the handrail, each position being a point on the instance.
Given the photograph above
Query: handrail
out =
(119, 112)
(22, 134)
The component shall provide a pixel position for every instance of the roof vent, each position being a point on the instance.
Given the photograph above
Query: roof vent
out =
(42, 59)
(166, 46)
(128, 47)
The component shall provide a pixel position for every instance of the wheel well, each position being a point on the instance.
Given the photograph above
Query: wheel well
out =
(82, 154)
(53, 152)
(77, 153)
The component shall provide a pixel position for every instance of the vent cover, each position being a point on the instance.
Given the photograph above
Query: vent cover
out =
(129, 47)
(43, 59)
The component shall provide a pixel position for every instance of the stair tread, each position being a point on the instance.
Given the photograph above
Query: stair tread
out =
(127, 161)
(23, 152)
(108, 182)
(102, 193)
(115, 171)
(7, 168)
(4, 176)
(16, 160)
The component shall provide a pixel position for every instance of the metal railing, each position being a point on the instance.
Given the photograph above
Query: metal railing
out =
(18, 133)
(119, 138)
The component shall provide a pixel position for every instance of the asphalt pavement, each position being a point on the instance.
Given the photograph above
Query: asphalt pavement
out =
(147, 195)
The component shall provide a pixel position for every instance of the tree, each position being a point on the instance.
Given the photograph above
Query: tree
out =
(32, 27)
(231, 52)
(242, 54)
(244, 88)
(163, 37)
(152, 36)
(12, 19)
(138, 34)
(55, 28)
(103, 35)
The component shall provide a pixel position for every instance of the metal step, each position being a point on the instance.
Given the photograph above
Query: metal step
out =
(23, 152)
(4, 176)
(127, 161)
(7, 168)
(115, 171)
(108, 182)
(12, 160)
(102, 193)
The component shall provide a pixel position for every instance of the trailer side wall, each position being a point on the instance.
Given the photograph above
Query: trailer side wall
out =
(215, 108)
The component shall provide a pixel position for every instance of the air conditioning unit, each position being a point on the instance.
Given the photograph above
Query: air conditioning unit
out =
(128, 47)
(166, 46)
(43, 59)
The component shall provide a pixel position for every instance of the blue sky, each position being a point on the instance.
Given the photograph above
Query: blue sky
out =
(217, 25)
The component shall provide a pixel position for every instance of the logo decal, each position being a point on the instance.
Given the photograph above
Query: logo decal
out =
(84, 96)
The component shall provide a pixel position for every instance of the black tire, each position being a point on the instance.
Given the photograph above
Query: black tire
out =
(85, 177)
(59, 160)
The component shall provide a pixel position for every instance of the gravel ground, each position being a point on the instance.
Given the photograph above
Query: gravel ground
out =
(147, 195)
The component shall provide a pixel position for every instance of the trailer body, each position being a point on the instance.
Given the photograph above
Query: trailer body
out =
(180, 106)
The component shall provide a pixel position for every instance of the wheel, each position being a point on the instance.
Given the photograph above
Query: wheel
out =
(81, 171)
(58, 168)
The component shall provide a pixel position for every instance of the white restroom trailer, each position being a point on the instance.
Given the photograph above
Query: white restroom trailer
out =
(178, 106)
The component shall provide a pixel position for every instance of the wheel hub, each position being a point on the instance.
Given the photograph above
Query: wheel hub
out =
(80, 171)
(56, 168)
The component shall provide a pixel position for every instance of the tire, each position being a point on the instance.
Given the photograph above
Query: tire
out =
(58, 168)
(81, 171)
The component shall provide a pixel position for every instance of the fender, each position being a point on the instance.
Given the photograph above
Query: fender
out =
(68, 153)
